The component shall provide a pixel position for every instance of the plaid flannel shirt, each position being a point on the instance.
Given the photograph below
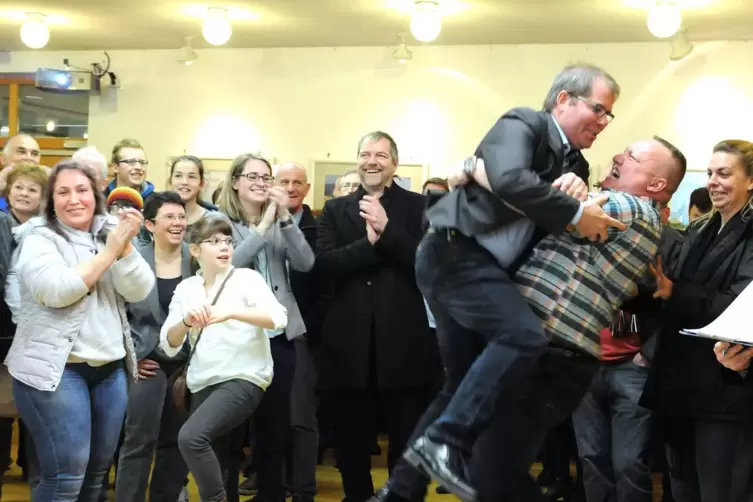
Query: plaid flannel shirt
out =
(576, 286)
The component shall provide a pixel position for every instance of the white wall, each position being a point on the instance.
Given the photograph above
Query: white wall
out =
(306, 104)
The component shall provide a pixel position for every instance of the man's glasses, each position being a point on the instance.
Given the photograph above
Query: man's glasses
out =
(133, 162)
(598, 110)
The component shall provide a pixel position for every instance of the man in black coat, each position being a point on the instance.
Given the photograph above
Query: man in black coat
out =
(489, 336)
(377, 356)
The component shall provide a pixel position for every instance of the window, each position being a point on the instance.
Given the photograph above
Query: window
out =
(4, 110)
(47, 114)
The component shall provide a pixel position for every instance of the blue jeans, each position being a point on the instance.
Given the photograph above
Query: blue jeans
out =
(75, 429)
(613, 433)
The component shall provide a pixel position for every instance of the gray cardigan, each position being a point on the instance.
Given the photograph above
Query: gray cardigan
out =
(284, 246)
(147, 317)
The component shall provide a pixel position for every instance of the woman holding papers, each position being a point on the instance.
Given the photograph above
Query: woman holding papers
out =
(706, 407)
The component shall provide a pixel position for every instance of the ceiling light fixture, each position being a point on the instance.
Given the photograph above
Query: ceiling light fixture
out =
(402, 53)
(50, 126)
(34, 32)
(186, 54)
(680, 45)
(217, 29)
(426, 20)
(664, 18)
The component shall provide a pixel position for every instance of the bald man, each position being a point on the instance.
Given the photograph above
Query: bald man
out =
(19, 149)
(308, 294)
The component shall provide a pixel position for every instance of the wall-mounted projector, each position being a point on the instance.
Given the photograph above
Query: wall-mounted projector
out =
(64, 81)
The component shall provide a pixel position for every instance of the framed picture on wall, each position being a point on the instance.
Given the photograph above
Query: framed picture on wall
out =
(680, 201)
(326, 172)
(215, 171)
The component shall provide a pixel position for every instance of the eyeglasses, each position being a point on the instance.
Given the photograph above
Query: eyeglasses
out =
(598, 110)
(255, 177)
(133, 162)
(172, 217)
(217, 242)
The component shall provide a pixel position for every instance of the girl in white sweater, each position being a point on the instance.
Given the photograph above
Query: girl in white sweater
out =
(232, 363)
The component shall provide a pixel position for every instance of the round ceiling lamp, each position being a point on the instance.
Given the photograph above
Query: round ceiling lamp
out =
(34, 32)
(426, 21)
(217, 29)
(664, 19)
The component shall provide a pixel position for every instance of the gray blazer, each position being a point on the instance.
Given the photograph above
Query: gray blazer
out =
(147, 317)
(284, 247)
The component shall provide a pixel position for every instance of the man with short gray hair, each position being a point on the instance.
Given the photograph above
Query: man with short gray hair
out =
(94, 160)
(19, 149)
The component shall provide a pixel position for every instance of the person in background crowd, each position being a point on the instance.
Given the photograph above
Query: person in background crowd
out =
(19, 149)
(435, 184)
(699, 204)
(129, 166)
(346, 184)
(378, 356)
(216, 194)
(269, 241)
(72, 317)
(311, 300)
(152, 423)
(229, 309)
(187, 179)
(707, 409)
(91, 158)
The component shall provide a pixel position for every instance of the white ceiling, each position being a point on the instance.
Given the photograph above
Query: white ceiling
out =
(151, 24)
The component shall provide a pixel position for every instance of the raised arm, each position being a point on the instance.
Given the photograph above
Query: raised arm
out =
(297, 249)
(343, 260)
(51, 281)
(132, 277)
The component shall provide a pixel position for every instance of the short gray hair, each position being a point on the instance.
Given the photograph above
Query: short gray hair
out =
(286, 165)
(376, 136)
(577, 80)
(6, 148)
(89, 155)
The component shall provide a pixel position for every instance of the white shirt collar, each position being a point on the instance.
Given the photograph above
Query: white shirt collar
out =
(565, 142)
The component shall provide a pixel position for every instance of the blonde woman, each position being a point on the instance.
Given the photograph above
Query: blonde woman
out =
(269, 241)
(707, 409)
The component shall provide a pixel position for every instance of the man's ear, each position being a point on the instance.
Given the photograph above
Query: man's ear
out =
(657, 185)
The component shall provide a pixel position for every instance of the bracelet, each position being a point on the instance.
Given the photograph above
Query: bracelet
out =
(187, 325)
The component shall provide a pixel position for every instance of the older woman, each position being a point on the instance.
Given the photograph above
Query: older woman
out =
(708, 409)
(73, 344)
(25, 191)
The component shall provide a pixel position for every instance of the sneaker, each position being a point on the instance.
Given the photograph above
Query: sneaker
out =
(249, 486)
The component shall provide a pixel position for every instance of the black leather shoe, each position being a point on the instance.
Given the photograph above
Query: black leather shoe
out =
(441, 490)
(443, 463)
(384, 495)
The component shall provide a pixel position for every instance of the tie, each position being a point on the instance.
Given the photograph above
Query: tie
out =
(570, 161)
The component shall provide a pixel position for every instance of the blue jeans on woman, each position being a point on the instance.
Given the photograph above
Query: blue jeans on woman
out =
(75, 429)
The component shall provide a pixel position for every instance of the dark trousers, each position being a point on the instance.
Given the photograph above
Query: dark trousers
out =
(303, 447)
(356, 416)
(709, 461)
(272, 423)
(204, 440)
(151, 432)
(489, 337)
(614, 435)
(504, 452)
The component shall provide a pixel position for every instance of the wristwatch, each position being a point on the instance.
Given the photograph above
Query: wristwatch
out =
(469, 167)
(287, 221)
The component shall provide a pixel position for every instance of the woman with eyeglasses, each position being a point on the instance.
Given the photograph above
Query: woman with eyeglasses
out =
(224, 313)
(152, 423)
(187, 179)
(269, 240)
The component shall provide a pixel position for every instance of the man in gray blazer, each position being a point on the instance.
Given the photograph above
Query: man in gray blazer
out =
(489, 337)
